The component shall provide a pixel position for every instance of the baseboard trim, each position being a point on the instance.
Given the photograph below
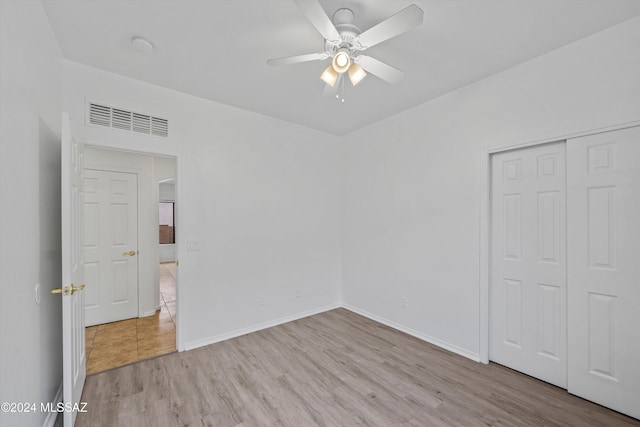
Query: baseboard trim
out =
(259, 327)
(50, 421)
(150, 313)
(424, 337)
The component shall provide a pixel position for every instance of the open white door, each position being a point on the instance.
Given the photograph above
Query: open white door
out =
(73, 333)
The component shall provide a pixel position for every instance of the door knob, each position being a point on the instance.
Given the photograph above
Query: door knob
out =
(68, 290)
(130, 253)
(75, 289)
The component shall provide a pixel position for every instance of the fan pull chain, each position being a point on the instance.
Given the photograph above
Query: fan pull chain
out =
(340, 93)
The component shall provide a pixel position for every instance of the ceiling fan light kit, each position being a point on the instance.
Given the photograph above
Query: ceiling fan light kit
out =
(330, 76)
(356, 74)
(344, 43)
(341, 60)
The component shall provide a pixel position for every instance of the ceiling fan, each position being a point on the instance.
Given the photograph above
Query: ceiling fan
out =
(344, 43)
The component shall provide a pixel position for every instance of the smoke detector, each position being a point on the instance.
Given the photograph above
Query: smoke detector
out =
(141, 45)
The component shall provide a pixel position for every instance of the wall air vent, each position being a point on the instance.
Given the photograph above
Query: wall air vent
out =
(102, 115)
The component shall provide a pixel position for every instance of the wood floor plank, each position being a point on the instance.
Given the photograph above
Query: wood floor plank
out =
(333, 369)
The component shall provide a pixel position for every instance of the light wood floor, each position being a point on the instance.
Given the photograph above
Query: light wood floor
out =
(120, 343)
(333, 369)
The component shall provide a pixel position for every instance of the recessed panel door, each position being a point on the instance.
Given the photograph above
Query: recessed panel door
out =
(74, 360)
(528, 265)
(604, 267)
(111, 245)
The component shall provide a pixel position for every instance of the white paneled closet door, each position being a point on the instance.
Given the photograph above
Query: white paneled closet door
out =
(528, 262)
(603, 184)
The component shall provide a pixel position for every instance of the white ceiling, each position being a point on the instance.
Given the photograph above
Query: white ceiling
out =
(217, 49)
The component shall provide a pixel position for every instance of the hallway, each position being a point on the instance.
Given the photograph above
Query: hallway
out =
(120, 343)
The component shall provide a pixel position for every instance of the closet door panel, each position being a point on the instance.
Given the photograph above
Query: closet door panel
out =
(528, 267)
(603, 206)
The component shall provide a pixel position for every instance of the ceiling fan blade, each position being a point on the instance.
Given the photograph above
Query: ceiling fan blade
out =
(317, 16)
(380, 69)
(408, 18)
(332, 90)
(298, 58)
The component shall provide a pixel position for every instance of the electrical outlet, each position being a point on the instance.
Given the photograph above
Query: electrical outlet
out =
(298, 293)
(262, 300)
(404, 301)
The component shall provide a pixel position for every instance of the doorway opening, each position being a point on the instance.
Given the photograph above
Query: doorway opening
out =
(150, 330)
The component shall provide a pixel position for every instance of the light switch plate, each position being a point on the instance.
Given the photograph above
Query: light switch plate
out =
(193, 245)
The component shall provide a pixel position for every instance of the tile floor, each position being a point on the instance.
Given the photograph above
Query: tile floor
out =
(120, 343)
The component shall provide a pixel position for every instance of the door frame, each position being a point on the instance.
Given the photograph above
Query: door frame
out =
(177, 216)
(485, 217)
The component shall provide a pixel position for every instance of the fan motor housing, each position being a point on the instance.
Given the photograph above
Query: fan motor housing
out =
(342, 19)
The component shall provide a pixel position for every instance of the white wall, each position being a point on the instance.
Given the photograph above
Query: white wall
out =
(165, 169)
(262, 197)
(412, 182)
(167, 192)
(148, 258)
(31, 350)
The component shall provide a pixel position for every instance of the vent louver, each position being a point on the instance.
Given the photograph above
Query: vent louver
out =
(117, 118)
